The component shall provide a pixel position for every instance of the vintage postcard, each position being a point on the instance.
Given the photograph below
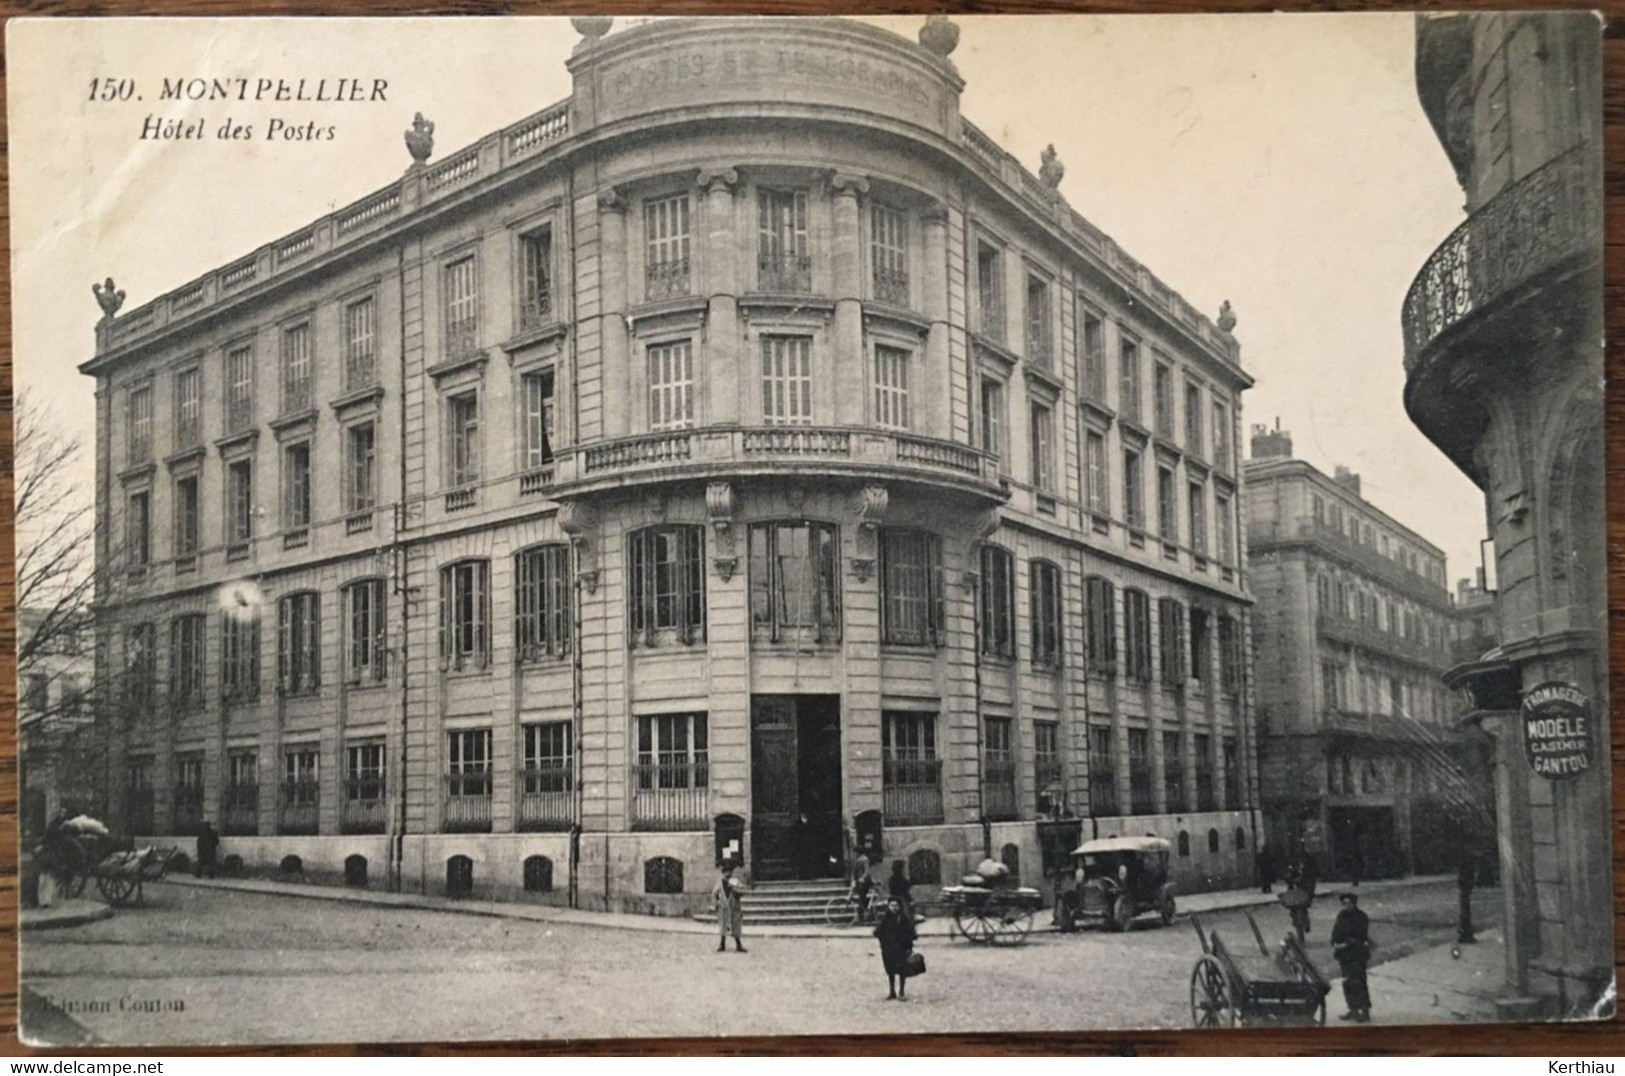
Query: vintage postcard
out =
(806, 526)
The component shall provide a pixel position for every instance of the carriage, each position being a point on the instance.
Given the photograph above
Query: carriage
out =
(76, 850)
(990, 908)
(1118, 878)
(120, 876)
(1269, 989)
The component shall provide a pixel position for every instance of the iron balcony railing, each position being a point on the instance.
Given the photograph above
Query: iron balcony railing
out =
(891, 286)
(360, 371)
(671, 795)
(1371, 637)
(912, 791)
(300, 801)
(536, 312)
(784, 272)
(364, 805)
(546, 798)
(462, 338)
(240, 810)
(467, 805)
(999, 790)
(666, 280)
(1548, 217)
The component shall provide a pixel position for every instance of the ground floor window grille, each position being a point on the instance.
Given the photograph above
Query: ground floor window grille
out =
(240, 806)
(1139, 771)
(468, 781)
(911, 771)
(672, 778)
(1102, 773)
(364, 793)
(998, 769)
(547, 782)
(301, 790)
(188, 799)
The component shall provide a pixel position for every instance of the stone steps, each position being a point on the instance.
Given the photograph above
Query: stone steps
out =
(786, 903)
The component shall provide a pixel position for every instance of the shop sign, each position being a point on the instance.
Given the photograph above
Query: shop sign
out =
(1559, 733)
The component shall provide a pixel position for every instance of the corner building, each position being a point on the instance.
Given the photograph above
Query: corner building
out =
(745, 451)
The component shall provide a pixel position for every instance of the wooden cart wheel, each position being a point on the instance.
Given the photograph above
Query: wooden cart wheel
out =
(71, 867)
(117, 889)
(1211, 1003)
(1013, 925)
(973, 923)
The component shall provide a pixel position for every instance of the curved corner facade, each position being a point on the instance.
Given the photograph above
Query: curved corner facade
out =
(1504, 364)
(744, 455)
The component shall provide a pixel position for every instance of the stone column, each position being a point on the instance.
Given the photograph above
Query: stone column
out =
(935, 384)
(720, 356)
(617, 408)
(850, 384)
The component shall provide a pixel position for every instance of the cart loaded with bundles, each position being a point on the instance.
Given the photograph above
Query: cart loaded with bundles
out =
(990, 905)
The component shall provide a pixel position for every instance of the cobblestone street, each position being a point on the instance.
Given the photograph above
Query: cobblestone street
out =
(195, 961)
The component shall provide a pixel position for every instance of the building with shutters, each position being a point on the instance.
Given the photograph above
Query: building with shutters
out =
(745, 451)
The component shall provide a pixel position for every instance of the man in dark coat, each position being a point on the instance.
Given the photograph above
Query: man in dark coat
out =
(1265, 862)
(1466, 876)
(1351, 945)
(208, 843)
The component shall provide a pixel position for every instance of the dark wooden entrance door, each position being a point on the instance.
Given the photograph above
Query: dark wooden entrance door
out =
(796, 786)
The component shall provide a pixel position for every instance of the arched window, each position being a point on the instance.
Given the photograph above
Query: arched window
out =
(459, 876)
(925, 867)
(795, 581)
(541, 602)
(355, 870)
(465, 615)
(1213, 841)
(292, 865)
(998, 607)
(666, 591)
(1184, 843)
(1010, 856)
(1100, 608)
(663, 874)
(538, 874)
(1044, 599)
(299, 644)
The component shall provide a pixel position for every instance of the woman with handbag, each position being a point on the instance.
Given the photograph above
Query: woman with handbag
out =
(896, 933)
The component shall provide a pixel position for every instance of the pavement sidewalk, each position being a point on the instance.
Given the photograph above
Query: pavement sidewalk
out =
(64, 913)
(936, 926)
(1441, 984)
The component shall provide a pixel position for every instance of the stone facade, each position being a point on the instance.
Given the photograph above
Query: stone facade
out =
(741, 442)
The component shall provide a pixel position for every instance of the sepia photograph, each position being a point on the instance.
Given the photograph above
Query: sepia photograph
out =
(642, 527)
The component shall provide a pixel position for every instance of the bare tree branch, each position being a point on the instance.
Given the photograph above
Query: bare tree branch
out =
(56, 538)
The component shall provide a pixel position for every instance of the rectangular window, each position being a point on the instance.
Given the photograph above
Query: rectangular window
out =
(1097, 485)
(364, 789)
(998, 607)
(239, 392)
(138, 531)
(188, 408)
(536, 400)
(910, 770)
(1102, 772)
(140, 665)
(666, 247)
(1173, 773)
(888, 254)
(239, 503)
(1129, 379)
(1092, 351)
(1099, 605)
(1133, 490)
(1204, 773)
(1197, 510)
(140, 424)
(301, 789)
(1167, 509)
(1044, 581)
(240, 654)
(465, 615)
(1222, 525)
(240, 805)
(361, 480)
(993, 417)
(1171, 640)
(542, 602)
(784, 261)
(186, 661)
(998, 769)
(1162, 388)
(795, 582)
(296, 486)
(1194, 444)
(990, 291)
(364, 619)
(667, 592)
(1221, 437)
(460, 295)
(1137, 635)
(296, 368)
(787, 380)
(536, 279)
(891, 387)
(186, 521)
(187, 806)
(1042, 430)
(1139, 772)
(673, 752)
(463, 428)
(1331, 683)
(299, 649)
(548, 767)
(1039, 348)
(911, 587)
(360, 327)
(1048, 782)
(1201, 646)
(671, 386)
(1232, 775)
(468, 763)
(37, 694)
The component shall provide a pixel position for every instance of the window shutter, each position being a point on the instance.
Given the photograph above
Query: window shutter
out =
(933, 550)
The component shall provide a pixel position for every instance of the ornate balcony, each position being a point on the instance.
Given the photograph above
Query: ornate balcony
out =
(784, 273)
(822, 451)
(666, 280)
(1548, 218)
(1333, 541)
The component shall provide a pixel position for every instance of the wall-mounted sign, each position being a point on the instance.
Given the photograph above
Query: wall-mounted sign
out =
(1559, 733)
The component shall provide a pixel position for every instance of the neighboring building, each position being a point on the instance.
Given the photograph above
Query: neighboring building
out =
(1360, 760)
(1504, 372)
(746, 441)
(60, 763)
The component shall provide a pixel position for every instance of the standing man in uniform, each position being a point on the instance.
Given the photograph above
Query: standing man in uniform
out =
(1351, 945)
(725, 898)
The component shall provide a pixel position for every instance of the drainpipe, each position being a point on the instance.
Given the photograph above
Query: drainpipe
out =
(398, 556)
(976, 716)
(577, 713)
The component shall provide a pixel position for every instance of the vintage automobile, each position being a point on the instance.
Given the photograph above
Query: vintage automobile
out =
(1115, 880)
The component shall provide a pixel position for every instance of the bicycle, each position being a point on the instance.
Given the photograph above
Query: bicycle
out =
(846, 911)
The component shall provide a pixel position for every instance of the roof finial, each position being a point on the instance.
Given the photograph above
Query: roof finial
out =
(1227, 317)
(940, 35)
(109, 297)
(420, 139)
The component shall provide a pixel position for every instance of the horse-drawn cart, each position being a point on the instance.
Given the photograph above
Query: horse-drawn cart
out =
(121, 875)
(992, 916)
(1283, 988)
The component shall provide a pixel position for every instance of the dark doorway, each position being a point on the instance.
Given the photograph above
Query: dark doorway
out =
(796, 787)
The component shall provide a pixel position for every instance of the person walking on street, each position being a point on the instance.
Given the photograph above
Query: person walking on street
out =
(862, 886)
(896, 933)
(726, 899)
(1466, 876)
(1265, 862)
(208, 844)
(898, 886)
(1351, 946)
